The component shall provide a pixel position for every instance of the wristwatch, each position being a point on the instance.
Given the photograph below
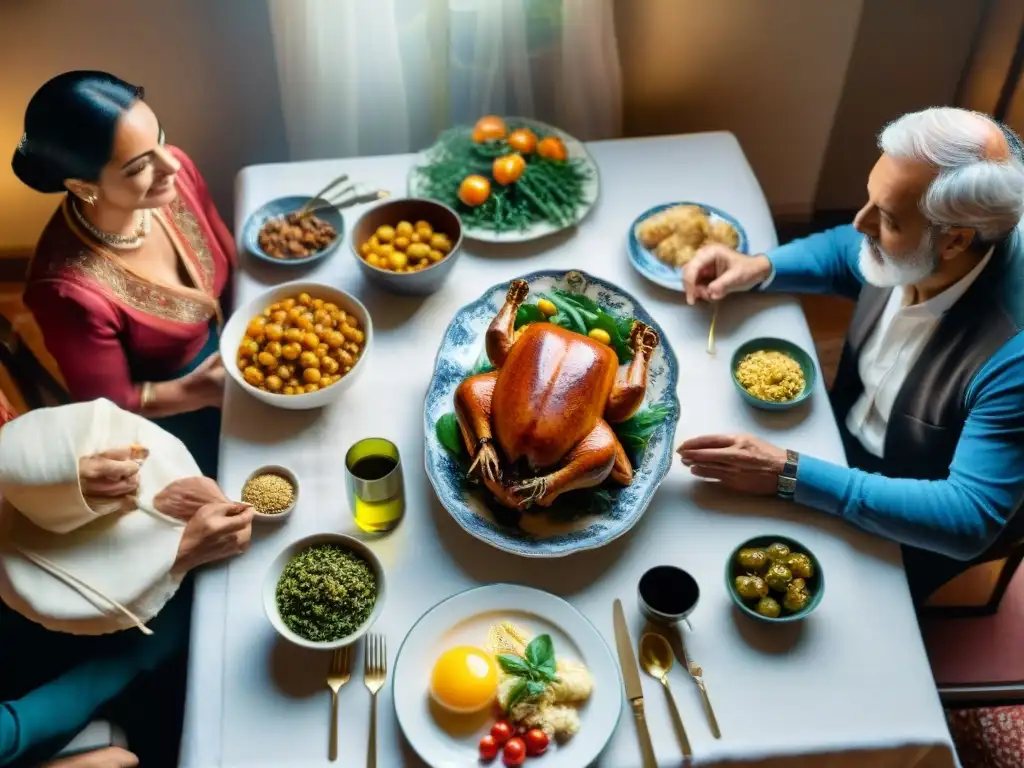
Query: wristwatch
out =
(763, 285)
(787, 478)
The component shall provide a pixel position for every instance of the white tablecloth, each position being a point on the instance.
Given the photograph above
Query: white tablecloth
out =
(854, 676)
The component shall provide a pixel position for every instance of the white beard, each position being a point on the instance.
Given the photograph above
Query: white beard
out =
(882, 271)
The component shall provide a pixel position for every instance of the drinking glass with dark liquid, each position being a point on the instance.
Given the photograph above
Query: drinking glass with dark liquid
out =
(667, 595)
(373, 478)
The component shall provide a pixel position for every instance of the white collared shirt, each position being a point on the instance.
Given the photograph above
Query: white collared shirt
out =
(890, 352)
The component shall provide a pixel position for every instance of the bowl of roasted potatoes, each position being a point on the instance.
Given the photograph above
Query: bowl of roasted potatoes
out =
(297, 346)
(407, 246)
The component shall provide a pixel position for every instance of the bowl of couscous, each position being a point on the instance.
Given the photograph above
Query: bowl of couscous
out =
(773, 374)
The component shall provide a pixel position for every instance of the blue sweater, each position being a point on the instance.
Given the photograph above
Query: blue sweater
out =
(959, 517)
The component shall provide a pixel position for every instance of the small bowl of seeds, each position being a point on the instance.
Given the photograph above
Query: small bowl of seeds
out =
(272, 491)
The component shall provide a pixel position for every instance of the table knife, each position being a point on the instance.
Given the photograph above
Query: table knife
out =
(631, 679)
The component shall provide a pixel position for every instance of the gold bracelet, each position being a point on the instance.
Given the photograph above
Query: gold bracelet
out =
(146, 396)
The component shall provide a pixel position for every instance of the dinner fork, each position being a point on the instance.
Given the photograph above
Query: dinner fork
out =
(376, 673)
(337, 677)
(305, 208)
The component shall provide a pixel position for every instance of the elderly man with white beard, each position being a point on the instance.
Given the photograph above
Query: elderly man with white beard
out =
(929, 395)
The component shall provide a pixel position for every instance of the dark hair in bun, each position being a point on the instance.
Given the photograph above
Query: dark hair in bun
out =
(69, 128)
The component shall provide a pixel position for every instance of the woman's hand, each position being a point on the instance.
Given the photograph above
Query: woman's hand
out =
(205, 385)
(718, 270)
(215, 532)
(109, 757)
(112, 473)
(183, 498)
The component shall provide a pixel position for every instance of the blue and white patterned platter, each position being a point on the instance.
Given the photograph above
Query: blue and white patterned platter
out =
(657, 271)
(537, 534)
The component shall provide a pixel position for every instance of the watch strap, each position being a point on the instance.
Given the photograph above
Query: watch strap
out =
(787, 478)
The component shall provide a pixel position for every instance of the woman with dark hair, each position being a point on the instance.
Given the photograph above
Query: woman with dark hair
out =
(127, 276)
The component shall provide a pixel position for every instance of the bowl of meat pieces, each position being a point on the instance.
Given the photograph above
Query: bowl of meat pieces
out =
(284, 232)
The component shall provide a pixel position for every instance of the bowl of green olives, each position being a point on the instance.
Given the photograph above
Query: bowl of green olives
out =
(774, 579)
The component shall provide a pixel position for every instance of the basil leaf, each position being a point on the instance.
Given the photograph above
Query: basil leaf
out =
(636, 432)
(528, 313)
(541, 652)
(514, 665)
(607, 324)
(547, 675)
(449, 434)
(535, 689)
(517, 693)
(483, 365)
(601, 502)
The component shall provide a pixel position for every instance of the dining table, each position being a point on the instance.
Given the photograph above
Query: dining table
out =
(849, 685)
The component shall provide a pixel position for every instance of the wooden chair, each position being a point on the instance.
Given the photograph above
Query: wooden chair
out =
(34, 383)
(974, 649)
(978, 591)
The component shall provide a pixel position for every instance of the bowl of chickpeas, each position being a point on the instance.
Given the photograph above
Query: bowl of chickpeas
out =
(407, 246)
(298, 345)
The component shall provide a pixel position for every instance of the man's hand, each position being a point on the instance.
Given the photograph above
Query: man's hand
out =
(718, 270)
(740, 462)
(110, 757)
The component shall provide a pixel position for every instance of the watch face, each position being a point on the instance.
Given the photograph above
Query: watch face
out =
(787, 485)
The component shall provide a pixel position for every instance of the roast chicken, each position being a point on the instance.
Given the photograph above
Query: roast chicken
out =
(538, 425)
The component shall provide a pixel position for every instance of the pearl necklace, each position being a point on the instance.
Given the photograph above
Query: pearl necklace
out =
(122, 242)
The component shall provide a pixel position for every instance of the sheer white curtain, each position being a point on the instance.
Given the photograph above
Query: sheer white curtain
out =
(363, 77)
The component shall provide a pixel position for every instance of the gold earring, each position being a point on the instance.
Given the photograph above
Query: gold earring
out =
(90, 199)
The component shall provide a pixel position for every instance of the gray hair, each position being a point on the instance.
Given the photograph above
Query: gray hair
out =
(970, 189)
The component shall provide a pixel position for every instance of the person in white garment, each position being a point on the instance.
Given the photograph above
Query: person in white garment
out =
(104, 515)
(929, 395)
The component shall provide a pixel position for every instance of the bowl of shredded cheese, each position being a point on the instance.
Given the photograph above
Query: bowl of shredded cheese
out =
(773, 374)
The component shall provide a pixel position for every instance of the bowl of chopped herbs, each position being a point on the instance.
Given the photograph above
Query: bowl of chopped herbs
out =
(324, 591)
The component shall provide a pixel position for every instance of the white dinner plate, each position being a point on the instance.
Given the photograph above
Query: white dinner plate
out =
(443, 740)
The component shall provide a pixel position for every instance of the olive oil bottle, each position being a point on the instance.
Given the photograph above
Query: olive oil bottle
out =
(376, 492)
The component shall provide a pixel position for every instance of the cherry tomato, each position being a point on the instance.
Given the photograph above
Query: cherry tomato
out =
(552, 148)
(523, 140)
(488, 748)
(502, 731)
(508, 168)
(474, 190)
(536, 742)
(489, 128)
(514, 752)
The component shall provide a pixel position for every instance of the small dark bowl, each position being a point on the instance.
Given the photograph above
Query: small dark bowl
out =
(815, 584)
(389, 213)
(767, 344)
(280, 207)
